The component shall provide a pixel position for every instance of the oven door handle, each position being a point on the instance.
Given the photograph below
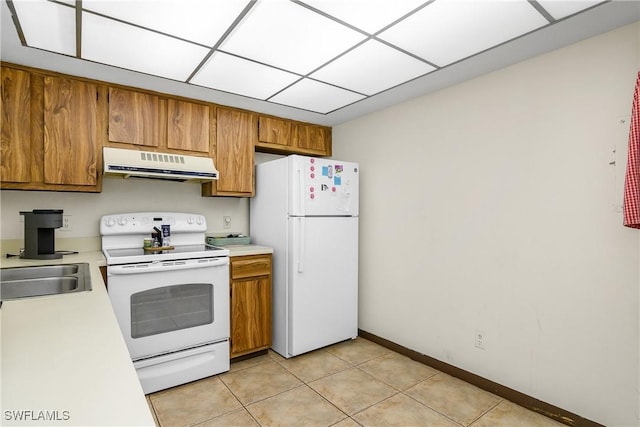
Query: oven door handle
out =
(166, 266)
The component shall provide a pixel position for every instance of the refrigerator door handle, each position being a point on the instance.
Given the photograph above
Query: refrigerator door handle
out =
(301, 200)
(301, 244)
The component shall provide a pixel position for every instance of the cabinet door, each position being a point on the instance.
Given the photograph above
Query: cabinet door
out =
(313, 139)
(283, 136)
(70, 132)
(15, 148)
(275, 131)
(235, 141)
(250, 315)
(188, 126)
(134, 118)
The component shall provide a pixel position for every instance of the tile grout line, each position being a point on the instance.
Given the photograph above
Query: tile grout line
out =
(239, 401)
(486, 412)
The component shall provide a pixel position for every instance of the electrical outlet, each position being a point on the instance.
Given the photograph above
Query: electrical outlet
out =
(66, 223)
(480, 339)
(226, 222)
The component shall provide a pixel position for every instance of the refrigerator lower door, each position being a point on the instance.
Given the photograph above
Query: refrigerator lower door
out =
(323, 282)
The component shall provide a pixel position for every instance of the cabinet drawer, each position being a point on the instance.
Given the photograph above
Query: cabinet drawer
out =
(250, 266)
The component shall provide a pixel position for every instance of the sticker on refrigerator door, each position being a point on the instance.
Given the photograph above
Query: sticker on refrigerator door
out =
(327, 171)
(338, 168)
(337, 180)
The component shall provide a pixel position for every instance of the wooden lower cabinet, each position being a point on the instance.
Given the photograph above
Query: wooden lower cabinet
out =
(250, 287)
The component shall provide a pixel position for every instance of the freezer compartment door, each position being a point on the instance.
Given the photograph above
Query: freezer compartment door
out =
(323, 187)
(323, 285)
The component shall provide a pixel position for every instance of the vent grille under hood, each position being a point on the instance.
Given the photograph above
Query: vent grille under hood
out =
(146, 164)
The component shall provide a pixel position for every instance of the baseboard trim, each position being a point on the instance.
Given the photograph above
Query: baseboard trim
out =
(531, 403)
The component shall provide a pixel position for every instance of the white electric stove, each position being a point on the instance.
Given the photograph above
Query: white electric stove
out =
(171, 302)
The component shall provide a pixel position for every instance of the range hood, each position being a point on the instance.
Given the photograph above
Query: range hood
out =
(168, 166)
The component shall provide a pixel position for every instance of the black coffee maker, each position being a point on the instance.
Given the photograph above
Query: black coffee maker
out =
(39, 237)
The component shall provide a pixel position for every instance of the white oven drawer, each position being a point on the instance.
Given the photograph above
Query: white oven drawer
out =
(166, 371)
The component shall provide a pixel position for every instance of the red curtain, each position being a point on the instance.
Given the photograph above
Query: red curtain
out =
(631, 205)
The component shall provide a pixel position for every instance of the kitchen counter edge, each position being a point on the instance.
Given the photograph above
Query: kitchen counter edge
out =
(244, 250)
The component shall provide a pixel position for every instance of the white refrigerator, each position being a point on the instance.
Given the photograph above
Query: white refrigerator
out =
(306, 209)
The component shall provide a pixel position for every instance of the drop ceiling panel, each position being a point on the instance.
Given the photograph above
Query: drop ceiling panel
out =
(236, 75)
(561, 9)
(313, 60)
(446, 31)
(367, 15)
(372, 67)
(315, 96)
(289, 36)
(48, 26)
(126, 46)
(200, 21)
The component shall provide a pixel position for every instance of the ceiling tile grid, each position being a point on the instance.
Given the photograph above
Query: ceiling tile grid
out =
(314, 55)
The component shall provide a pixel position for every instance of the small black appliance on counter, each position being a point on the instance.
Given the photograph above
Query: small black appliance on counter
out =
(39, 237)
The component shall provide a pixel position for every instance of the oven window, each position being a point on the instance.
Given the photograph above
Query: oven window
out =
(171, 308)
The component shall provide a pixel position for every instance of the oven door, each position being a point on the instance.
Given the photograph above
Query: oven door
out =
(168, 306)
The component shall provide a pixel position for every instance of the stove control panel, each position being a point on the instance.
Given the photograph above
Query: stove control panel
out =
(143, 222)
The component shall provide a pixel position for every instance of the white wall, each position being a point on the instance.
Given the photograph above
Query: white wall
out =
(121, 195)
(491, 206)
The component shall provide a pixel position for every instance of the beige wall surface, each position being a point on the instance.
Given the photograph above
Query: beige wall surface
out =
(492, 206)
(120, 196)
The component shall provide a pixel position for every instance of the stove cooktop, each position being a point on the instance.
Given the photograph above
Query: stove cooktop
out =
(135, 255)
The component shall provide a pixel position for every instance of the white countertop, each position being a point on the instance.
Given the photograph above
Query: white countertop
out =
(63, 357)
(242, 250)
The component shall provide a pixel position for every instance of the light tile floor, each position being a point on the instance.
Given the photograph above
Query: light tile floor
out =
(354, 383)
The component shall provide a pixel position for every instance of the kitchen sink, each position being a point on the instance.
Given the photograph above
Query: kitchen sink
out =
(41, 280)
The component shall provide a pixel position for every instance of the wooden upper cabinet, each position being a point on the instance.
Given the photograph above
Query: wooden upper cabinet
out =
(71, 143)
(146, 120)
(275, 131)
(134, 117)
(314, 139)
(234, 147)
(290, 137)
(188, 126)
(15, 126)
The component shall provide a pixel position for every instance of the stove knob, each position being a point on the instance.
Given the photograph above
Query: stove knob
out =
(109, 222)
(199, 220)
(122, 221)
(189, 220)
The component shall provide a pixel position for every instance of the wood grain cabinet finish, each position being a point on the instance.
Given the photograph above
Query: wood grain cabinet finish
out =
(250, 287)
(188, 126)
(134, 118)
(235, 138)
(275, 131)
(283, 136)
(148, 121)
(70, 132)
(312, 139)
(50, 132)
(15, 148)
